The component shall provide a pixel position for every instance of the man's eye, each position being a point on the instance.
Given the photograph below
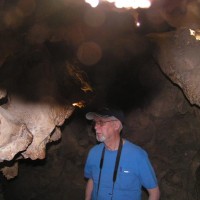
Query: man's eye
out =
(101, 123)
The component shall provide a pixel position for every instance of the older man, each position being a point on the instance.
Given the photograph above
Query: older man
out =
(116, 169)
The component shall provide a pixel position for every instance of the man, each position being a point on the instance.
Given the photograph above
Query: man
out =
(116, 169)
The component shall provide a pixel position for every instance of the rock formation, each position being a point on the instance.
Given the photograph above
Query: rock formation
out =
(48, 51)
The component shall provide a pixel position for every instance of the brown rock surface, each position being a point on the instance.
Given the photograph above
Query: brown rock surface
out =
(38, 89)
(178, 56)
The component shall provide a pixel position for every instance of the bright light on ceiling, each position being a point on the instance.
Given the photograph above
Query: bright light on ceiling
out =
(123, 3)
(93, 3)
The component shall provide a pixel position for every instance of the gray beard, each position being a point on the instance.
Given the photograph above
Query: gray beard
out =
(101, 139)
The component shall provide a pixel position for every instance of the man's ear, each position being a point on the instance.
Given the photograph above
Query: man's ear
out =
(117, 125)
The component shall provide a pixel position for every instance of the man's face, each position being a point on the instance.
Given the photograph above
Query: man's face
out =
(104, 128)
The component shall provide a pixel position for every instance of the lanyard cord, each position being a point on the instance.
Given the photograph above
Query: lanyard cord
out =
(101, 166)
(116, 165)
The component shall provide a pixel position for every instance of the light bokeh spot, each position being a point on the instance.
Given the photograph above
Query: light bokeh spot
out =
(89, 53)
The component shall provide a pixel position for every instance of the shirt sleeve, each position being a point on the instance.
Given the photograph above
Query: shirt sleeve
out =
(147, 174)
(88, 167)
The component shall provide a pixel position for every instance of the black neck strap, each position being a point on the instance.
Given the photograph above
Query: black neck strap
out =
(116, 165)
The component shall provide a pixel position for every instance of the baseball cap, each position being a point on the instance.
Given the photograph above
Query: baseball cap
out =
(106, 113)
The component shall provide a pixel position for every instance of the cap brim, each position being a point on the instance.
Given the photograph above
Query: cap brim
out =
(90, 115)
(93, 115)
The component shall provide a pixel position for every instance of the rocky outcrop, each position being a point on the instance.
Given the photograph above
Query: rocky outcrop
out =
(39, 81)
(178, 56)
(37, 91)
(26, 128)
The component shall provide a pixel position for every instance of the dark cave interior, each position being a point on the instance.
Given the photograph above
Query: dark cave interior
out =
(55, 53)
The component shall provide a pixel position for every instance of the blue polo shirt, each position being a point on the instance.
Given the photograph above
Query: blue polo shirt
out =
(134, 171)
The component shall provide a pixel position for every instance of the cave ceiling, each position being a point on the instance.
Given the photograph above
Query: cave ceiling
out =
(60, 54)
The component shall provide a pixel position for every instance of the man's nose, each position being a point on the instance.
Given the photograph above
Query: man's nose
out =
(96, 126)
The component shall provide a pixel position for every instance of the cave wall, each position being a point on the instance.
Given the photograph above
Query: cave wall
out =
(166, 125)
(50, 49)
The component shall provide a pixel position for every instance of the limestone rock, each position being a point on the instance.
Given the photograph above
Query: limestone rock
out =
(178, 56)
